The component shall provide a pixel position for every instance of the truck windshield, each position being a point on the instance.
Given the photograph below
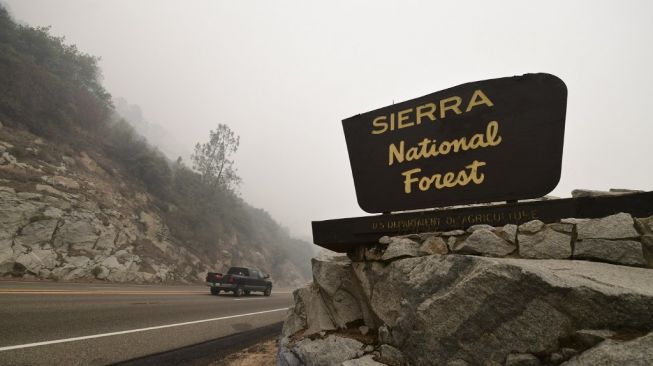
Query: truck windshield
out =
(238, 271)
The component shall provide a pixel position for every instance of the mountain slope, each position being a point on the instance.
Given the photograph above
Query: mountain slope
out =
(83, 196)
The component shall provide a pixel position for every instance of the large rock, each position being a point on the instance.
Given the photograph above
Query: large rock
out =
(123, 273)
(482, 309)
(588, 338)
(645, 224)
(637, 352)
(544, 244)
(391, 355)
(619, 226)
(15, 214)
(400, 248)
(474, 228)
(112, 263)
(285, 357)
(508, 232)
(626, 252)
(331, 350)
(531, 227)
(363, 361)
(485, 242)
(38, 259)
(78, 261)
(390, 292)
(106, 238)
(308, 314)
(78, 235)
(434, 245)
(37, 233)
(341, 293)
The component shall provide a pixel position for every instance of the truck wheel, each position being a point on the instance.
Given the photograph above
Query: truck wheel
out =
(238, 292)
(268, 291)
(247, 292)
(215, 291)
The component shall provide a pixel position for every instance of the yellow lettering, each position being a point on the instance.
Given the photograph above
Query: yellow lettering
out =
(430, 113)
(454, 107)
(412, 154)
(445, 147)
(476, 141)
(457, 144)
(403, 116)
(492, 131)
(478, 98)
(379, 122)
(430, 148)
(426, 182)
(438, 183)
(462, 179)
(448, 180)
(473, 167)
(402, 119)
(424, 148)
(396, 154)
(409, 180)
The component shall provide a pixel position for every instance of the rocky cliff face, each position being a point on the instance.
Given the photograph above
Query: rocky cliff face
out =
(67, 215)
(577, 292)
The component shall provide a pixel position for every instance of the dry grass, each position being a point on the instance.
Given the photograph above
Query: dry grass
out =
(261, 354)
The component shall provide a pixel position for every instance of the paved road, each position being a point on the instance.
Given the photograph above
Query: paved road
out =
(97, 324)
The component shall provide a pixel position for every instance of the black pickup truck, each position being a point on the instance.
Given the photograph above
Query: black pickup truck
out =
(239, 280)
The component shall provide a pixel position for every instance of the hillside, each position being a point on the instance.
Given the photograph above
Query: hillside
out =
(84, 196)
(155, 134)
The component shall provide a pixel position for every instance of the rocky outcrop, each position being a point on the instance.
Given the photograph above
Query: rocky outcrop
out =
(76, 218)
(50, 237)
(577, 292)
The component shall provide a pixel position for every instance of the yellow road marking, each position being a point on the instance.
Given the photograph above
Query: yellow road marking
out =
(72, 292)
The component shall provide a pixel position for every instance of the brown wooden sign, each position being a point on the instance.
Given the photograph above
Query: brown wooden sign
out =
(492, 140)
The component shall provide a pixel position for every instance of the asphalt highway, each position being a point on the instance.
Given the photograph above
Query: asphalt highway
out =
(45, 323)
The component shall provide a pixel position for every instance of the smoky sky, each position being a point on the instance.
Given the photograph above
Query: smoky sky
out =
(283, 74)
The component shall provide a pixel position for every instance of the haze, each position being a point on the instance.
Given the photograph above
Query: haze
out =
(283, 74)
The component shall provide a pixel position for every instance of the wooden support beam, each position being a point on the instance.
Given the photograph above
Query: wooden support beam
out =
(342, 235)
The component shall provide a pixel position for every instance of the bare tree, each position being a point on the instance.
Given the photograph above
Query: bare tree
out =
(213, 161)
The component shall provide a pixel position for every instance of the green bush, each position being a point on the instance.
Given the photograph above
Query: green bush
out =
(96, 271)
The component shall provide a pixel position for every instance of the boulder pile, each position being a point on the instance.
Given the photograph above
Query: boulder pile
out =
(575, 292)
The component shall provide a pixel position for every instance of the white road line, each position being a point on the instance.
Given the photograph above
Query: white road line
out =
(65, 340)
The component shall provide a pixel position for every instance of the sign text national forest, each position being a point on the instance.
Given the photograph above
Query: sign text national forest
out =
(492, 140)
